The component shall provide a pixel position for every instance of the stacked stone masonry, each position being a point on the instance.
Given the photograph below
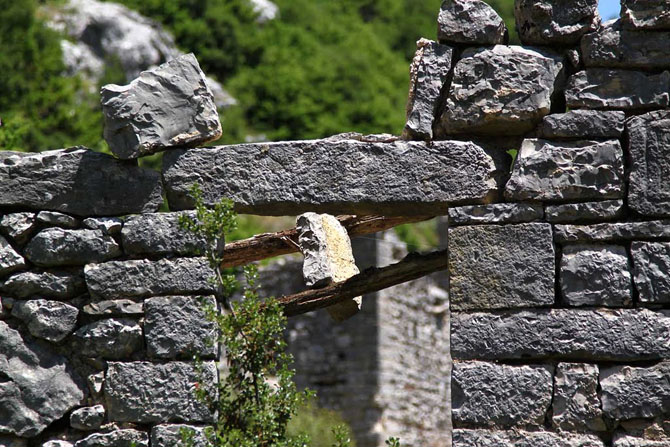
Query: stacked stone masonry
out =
(551, 161)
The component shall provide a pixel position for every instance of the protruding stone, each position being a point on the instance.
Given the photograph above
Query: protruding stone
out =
(470, 22)
(326, 246)
(55, 219)
(643, 433)
(487, 438)
(88, 418)
(486, 92)
(18, 226)
(596, 275)
(122, 307)
(582, 124)
(649, 148)
(635, 392)
(145, 392)
(178, 327)
(50, 320)
(567, 334)
(116, 438)
(602, 88)
(159, 234)
(550, 171)
(95, 383)
(38, 385)
(58, 247)
(651, 262)
(77, 181)
(170, 435)
(108, 225)
(576, 406)
(144, 278)
(55, 443)
(646, 14)
(10, 260)
(585, 212)
(59, 284)
(428, 75)
(169, 106)
(498, 213)
(334, 176)
(612, 232)
(109, 339)
(490, 395)
(555, 22)
(498, 267)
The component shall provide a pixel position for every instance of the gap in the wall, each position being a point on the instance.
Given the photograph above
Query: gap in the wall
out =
(609, 9)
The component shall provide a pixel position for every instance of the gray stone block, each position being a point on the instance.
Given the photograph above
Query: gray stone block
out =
(177, 326)
(646, 14)
(38, 385)
(498, 267)
(428, 75)
(648, 137)
(334, 176)
(56, 247)
(122, 307)
(159, 234)
(470, 22)
(486, 438)
(612, 232)
(145, 392)
(489, 395)
(651, 264)
(559, 171)
(116, 438)
(10, 260)
(585, 212)
(110, 339)
(54, 443)
(602, 88)
(596, 275)
(50, 320)
(484, 96)
(18, 226)
(635, 392)
(108, 225)
(54, 219)
(144, 278)
(582, 124)
(88, 418)
(497, 213)
(88, 183)
(59, 284)
(576, 406)
(555, 22)
(166, 107)
(566, 334)
(170, 435)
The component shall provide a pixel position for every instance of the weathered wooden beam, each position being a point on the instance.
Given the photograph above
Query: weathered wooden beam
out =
(268, 245)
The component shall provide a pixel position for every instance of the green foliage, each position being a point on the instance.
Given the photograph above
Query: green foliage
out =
(324, 428)
(419, 236)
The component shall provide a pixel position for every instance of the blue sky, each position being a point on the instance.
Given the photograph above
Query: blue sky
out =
(609, 8)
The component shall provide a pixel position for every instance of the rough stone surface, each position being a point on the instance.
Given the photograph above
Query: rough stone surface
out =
(570, 334)
(59, 247)
(108, 225)
(335, 176)
(59, 284)
(50, 320)
(54, 219)
(88, 418)
(504, 90)
(145, 392)
(649, 148)
(177, 326)
(328, 258)
(143, 278)
(613, 47)
(10, 260)
(470, 22)
(584, 212)
(170, 435)
(651, 264)
(498, 213)
(489, 395)
(428, 75)
(561, 22)
(646, 14)
(116, 438)
(497, 267)
(602, 88)
(11, 441)
(486, 438)
(56, 443)
(159, 234)
(551, 171)
(631, 392)
(109, 339)
(169, 106)
(632, 441)
(77, 181)
(576, 406)
(38, 386)
(18, 226)
(581, 124)
(596, 275)
(612, 232)
(122, 307)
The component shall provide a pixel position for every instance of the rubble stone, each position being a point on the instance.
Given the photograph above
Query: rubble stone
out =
(58, 284)
(159, 234)
(59, 247)
(651, 264)
(170, 435)
(584, 212)
(50, 320)
(612, 232)
(576, 406)
(470, 22)
(18, 226)
(558, 22)
(108, 225)
(646, 14)
(116, 438)
(10, 260)
(630, 392)
(498, 213)
(54, 219)
(487, 438)
(583, 124)
(122, 307)
(110, 339)
(88, 418)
